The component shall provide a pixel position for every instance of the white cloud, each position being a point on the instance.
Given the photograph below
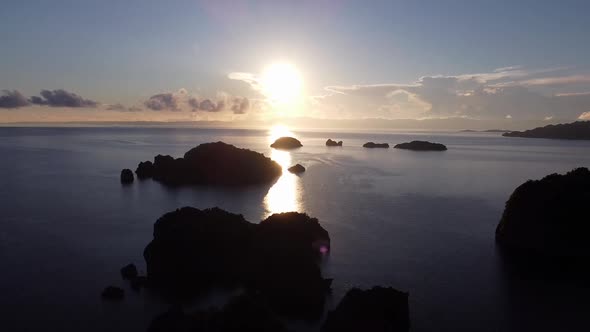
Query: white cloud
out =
(481, 96)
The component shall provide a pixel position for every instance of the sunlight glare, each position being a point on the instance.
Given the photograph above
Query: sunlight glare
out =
(287, 193)
(282, 83)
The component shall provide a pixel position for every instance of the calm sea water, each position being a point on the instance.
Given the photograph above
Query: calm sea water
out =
(420, 222)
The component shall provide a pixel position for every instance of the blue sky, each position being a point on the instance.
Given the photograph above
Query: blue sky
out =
(127, 51)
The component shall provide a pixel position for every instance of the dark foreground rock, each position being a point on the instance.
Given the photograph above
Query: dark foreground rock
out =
(579, 130)
(330, 142)
(129, 271)
(194, 250)
(241, 313)
(286, 143)
(376, 309)
(297, 169)
(212, 164)
(372, 145)
(126, 176)
(421, 146)
(113, 293)
(549, 217)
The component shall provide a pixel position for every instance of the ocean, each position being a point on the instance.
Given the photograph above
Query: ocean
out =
(421, 222)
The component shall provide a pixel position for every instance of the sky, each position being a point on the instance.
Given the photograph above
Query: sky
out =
(183, 60)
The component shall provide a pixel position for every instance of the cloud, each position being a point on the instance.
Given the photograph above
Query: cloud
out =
(224, 102)
(240, 105)
(486, 96)
(584, 116)
(572, 79)
(116, 107)
(12, 99)
(162, 102)
(61, 98)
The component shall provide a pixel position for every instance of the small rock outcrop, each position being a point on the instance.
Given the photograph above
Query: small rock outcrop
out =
(145, 170)
(372, 145)
(113, 293)
(129, 272)
(194, 250)
(286, 143)
(212, 164)
(421, 146)
(376, 309)
(549, 217)
(330, 142)
(126, 176)
(579, 130)
(297, 169)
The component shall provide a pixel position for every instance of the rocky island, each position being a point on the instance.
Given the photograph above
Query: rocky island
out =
(286, 143)
(579, 130)
(194, 250)
(212, 164)
(372, 145)
(126, 176)
(549, 217)
(421, 146)
(330, 142)
(297, 169)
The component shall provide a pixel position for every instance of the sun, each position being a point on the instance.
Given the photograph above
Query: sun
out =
(282, 83)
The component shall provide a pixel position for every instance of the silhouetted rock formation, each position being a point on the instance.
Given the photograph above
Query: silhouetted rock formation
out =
(241, 313)
(129, 271)
(330, 142)
(286, 143)
(421, 146)
(377, 309)
(549, 216)
(297, 169)
(126, 176)
(194, 250)
(579, 130)
(145, 170)
(113, 293)
(375, 145)
(212, 164)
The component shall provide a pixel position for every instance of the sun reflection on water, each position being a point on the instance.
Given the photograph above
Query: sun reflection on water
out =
(287, 193)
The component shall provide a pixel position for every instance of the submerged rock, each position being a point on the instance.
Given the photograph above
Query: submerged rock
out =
(330, 142)
(549, 216)
(113, 293)
(372, 145)
(126, 176)
(212, 164)
(286, 143)
(129, 271)
(421, 146)
(376, 309)
(194, 250)
(297, 169)
(145, 170)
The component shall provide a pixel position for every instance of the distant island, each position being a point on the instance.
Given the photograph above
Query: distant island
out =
(421, 146)
(579, 130)
(484, 131)
(286, 143)
(372, 145)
